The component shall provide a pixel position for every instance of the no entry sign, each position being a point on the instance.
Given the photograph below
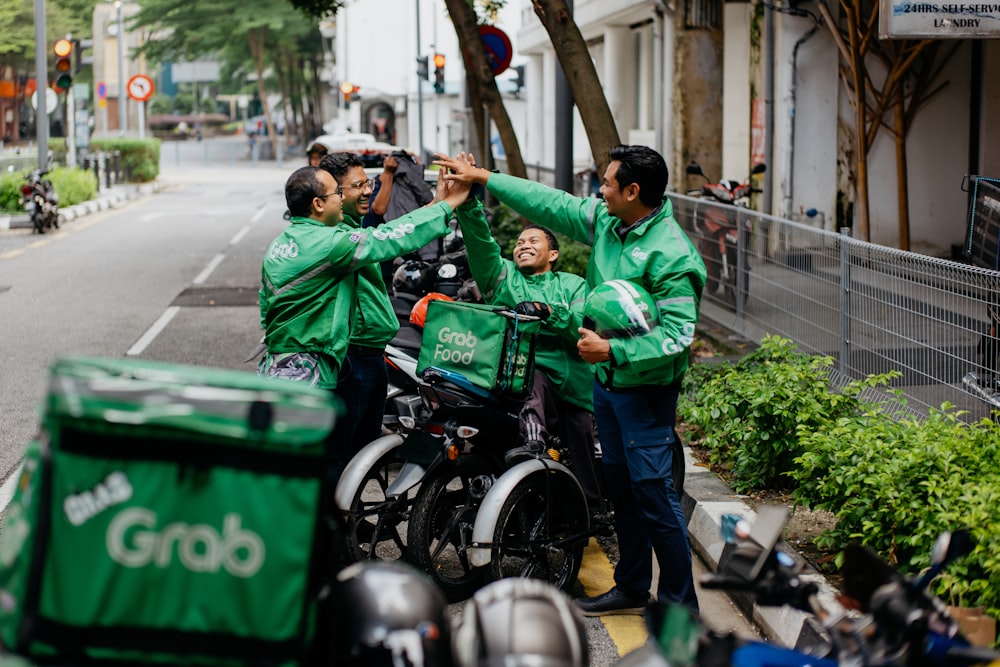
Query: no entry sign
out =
(498, 48)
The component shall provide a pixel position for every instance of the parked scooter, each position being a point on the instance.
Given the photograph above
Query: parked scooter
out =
(901, 623)
(724, 242)
(40, 201)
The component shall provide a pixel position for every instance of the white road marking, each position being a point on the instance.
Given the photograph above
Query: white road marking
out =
(153, 331)
(207, 271)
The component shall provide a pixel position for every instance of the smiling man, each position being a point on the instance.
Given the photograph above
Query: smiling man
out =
(634, 237)
(560, 401)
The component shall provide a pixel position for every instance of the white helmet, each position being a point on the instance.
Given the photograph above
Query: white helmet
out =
(520, 622)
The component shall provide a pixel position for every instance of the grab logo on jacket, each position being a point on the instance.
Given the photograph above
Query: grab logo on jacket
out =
(397, 233)
(134, 540)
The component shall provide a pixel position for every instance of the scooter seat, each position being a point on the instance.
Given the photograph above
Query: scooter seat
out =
(435, 375)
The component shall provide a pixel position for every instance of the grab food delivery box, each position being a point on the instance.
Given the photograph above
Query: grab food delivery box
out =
(167, 514)
(492, 347)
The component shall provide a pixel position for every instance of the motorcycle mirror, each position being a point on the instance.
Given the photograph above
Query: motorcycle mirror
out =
(951, 545)
(694, 169)
(759, 168)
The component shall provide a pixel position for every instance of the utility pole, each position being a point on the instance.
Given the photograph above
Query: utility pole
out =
(564, 127)
(420, 97)
(41, 86)
(122, 96)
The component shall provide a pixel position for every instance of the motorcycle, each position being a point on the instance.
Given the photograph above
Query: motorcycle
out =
(984, 381)
(900, 622)
(416, 494)
(723, 238)
(40, 201)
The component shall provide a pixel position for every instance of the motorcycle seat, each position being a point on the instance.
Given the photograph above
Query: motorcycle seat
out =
(408, 339)
(434, 375)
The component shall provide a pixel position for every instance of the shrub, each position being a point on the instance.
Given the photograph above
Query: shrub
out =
(73, 185)
(140, 158)
(749, 414)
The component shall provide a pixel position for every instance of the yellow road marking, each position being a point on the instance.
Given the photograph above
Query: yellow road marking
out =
(627, 632)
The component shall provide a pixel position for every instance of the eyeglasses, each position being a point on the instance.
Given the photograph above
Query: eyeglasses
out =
(361, 185)
(338, 192)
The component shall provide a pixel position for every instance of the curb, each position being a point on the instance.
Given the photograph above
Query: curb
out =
(115, 197)
(706, 499)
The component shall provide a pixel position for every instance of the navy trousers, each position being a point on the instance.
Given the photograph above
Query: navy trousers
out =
(636, 430)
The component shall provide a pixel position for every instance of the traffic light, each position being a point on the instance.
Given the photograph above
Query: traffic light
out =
(518, 77)
(63, 78)
(438, 72)
(347, 88)
(81, 61)
(422, 68)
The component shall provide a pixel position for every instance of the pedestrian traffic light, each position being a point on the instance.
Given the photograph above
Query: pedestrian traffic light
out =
(63, 79)
(80, 60)
(422, 68)
(438, 72)
(518, 77)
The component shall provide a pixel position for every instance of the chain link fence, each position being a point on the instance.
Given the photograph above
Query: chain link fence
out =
(872, 308)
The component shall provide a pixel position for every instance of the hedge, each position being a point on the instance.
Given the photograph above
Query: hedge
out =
(73, 185)
(140, 158)
(773, 420)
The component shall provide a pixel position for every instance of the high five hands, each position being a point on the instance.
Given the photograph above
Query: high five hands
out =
(462, 169)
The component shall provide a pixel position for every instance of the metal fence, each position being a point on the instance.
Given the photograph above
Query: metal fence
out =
(872, 308)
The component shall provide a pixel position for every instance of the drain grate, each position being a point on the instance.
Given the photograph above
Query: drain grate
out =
(195, 297)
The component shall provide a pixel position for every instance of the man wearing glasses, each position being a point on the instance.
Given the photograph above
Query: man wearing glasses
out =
(318, 276)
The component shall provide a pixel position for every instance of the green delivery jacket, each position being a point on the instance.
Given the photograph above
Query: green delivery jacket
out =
(502, 284)
(656, 255)
(308, 291)
(375, 322)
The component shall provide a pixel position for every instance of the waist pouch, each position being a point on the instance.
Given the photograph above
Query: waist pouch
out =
(167, 515)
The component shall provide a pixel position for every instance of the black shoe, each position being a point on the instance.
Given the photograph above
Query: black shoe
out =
(532, 449)
(602, 523)
(614, 602)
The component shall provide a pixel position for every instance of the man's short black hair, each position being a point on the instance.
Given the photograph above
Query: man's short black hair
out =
(300, 190)
(338, 164)
(317, 148)
(646, 168)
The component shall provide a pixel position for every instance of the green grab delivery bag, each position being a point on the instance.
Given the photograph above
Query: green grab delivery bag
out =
(167, 515)
(491, 350)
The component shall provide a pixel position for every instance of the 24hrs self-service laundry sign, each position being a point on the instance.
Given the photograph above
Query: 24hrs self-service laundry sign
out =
(906, 19)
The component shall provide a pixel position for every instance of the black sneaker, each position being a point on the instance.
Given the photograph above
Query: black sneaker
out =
(532, 449)
(612, 603)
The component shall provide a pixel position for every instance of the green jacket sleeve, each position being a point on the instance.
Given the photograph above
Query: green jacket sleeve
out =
(353, 248)
(485, 261)
(555, 209)
(566, 320)
(677, 296)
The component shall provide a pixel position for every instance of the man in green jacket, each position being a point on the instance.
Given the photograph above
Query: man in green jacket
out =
(364, 389)
(634, 237)
(311, 279)
(560, 402)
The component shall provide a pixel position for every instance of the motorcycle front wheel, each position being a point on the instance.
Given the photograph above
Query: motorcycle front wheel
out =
(441, 523)
(38, 222)
(376, 523)
(541, 532)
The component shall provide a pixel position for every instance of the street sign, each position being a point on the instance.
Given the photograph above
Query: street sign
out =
(140, 88)
(51, 100)
(498, 48)
(102, 90)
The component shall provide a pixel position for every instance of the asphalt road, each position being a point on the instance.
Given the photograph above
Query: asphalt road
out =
(173, 277)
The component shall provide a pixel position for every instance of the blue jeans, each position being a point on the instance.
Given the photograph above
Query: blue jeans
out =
(362, 388)
(636, 430)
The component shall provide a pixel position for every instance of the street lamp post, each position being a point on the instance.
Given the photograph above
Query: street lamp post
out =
(122, 96)
(41, 86)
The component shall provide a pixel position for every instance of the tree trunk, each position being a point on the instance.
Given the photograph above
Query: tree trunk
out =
(588, 94)
(480, 75)
(902, 185)
(255, 39)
